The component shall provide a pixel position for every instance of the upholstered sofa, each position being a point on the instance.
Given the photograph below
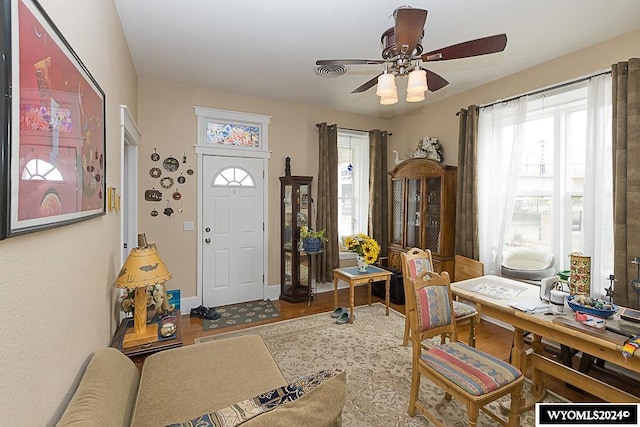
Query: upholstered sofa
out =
(181, 384)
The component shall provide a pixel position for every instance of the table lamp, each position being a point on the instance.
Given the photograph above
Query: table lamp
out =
(142, 268)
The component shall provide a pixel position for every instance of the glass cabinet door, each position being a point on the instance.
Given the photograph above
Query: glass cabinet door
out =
(287, 203)
(433, 220)
(397, 211)
(413, 213)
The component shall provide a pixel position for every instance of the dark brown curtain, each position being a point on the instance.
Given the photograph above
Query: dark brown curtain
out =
(467, 243)
(626, 178)
(378, 192)
(327, 215)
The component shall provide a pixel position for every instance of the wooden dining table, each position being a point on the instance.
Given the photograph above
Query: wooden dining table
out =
(495, 297)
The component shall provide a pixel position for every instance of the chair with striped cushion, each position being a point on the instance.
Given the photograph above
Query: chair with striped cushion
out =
(465, 373)
(416, 261)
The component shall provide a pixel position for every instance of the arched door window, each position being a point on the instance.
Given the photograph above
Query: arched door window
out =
(233, 177)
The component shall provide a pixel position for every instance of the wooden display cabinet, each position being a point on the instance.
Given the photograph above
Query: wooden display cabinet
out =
(423, 212)
(295, 211)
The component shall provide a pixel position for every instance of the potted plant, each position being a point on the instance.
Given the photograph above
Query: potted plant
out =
(366, 248)
(312, 240)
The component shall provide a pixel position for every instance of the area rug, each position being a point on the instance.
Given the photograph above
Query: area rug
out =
(378, 366)
(241, 314)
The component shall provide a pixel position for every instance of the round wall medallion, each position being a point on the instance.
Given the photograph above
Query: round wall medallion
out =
(155, 172)
(189, 171)
(154, 213)
(166, 182)
(171, 164)
(176, 195)
(155, 156)
(181, 179)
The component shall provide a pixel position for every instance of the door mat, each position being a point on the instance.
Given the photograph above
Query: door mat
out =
(241, 314)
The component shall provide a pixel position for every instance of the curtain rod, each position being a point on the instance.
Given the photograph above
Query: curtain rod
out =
(354, 130)
(547, 89)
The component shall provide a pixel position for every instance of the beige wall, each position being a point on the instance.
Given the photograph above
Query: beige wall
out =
(439, 120)
(57, 294)
(167, 121)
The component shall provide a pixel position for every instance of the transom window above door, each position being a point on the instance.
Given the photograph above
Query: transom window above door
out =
(233, 177)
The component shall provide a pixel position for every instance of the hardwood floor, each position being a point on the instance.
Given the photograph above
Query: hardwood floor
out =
(490, 338)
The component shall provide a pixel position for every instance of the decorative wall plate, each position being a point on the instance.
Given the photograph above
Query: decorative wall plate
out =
(181, 179)
(176, 195)
(153, 195)
(171, 164)
(155, 172)
(154, 213)
(189, 171)
(166, 182)
(155, 156)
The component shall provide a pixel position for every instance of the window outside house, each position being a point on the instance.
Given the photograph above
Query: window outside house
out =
(353, 183)
(545, 179)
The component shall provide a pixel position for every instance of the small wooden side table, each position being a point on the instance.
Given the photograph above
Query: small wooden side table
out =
(353, 277)
(153, 347)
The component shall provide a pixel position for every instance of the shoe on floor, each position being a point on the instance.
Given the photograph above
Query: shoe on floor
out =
(211, 314)
(205, 313)
(338, 312)
(199, 311)
(344, 318)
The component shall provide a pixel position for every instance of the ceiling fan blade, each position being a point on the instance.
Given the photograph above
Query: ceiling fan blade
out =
(483, 46)
(435, 81)
(368, 85)
(409, 28)
(349, 61)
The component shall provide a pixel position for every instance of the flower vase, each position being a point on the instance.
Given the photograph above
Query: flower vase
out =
(362, 264)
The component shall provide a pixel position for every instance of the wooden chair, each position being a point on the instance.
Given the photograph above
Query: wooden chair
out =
(458, 369)
(467, 268)
(416, 261)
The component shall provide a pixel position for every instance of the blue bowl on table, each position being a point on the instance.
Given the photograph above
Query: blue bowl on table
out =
(589, 310)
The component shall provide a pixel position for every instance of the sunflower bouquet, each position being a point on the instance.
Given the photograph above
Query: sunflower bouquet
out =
(364, 246)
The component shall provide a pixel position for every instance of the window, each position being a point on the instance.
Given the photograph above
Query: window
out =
(544, 176)
(233, 177)
(41, 170)
(353, 183)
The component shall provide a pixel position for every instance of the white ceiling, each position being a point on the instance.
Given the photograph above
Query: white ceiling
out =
(268, 49)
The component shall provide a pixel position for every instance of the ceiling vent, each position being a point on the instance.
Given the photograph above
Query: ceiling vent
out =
(335, 70)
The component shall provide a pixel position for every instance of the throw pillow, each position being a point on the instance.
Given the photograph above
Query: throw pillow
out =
(242, 412)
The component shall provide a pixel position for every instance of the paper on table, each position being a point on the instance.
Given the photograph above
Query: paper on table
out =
(497, 291)
(530, 305)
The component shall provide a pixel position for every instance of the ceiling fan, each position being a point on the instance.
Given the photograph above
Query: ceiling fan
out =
(402, 52)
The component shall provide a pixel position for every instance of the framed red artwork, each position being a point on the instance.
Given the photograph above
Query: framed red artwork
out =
(52, 142)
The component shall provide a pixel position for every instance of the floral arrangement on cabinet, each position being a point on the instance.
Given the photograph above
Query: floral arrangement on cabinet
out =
(312, 240)
(429, 148)
(155, 297)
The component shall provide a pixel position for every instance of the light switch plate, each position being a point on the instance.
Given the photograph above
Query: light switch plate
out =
(188, 226)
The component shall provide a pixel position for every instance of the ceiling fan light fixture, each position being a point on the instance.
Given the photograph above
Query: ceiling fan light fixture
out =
(415, 97)
(417, 82)
(386, 85)
(389, 99)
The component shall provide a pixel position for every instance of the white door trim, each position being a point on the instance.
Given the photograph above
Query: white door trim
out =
(203, 148)
(130, 137)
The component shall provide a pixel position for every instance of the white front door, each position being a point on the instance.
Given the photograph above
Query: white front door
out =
(232, 230)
